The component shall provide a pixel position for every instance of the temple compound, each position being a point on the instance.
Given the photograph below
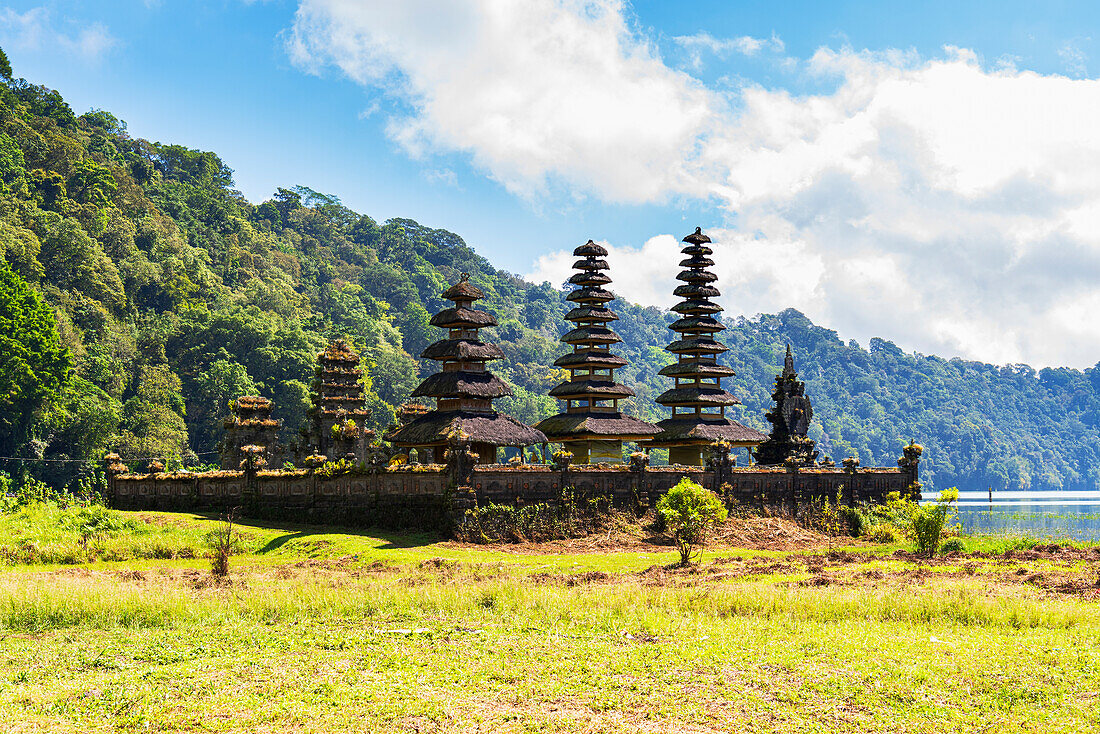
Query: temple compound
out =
(592, 428)
(442, 459)
(463, 390)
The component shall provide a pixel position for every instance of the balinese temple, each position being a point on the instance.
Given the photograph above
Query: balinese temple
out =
(697, 400)
(592, 428)
(339, 413)
(790, 419)
(250, 424)
(464, 390)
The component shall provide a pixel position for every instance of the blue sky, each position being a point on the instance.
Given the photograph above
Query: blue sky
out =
(814, 139)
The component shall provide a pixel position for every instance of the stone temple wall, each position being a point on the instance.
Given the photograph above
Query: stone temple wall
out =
(427, 496)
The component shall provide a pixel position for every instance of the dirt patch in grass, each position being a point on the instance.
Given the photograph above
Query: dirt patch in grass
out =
(750, 532)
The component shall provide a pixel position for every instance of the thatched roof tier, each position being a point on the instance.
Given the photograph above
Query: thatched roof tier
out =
(693, 307)
(466, 350)
(697, 237)
(338, 352)
(577, 389)
(234, 422)
(696, 369)
(463, 290)
(589, 279)
(698, 261)
(696, 276)
(697, 250)
(692, 324)
(463, 318)
(461, 384)
(696, 291)
(590, 359)
(697, 345)
(697, 395)
(590, 313)
(253, 402)
(591, 264)
(590, 248)
(578, 426)
(704, 429)
(586, 295)
(590, 335)
(436, 428)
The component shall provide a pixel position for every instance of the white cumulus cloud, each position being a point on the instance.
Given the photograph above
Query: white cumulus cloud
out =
(36, 29)
(948, 206)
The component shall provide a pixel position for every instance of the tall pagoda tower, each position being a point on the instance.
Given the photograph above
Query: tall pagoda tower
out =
(697, 400)
(250, 424)
(339, 411)
(464, 390)
(592, 428)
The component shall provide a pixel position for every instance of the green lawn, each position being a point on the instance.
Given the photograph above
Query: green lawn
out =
(319, 630)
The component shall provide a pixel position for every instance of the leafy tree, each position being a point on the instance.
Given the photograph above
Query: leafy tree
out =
(34, 366)
(5, 65)
(152, 421)
(690, 510)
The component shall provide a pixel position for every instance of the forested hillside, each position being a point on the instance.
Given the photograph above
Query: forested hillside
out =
(139, 293)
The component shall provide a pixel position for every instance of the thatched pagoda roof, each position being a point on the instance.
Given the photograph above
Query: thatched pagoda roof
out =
(694, 306)
(462, 384)
(696, 276)
(435, 428)
(594, 358)
(594, 264)
(595, 425)
(590, 335)
(696, 369)
(696, 291)
(704, 395)
(697, 261)
(581, 295)
(467, 350)
(696, 345)
(339, 352)
(605, 389)
(704, 430)
(591, 313)
(590, 248)
(697, 237)
(696, 324)
(459, 317)
(589, 279)
(463, 290)
(253, 402)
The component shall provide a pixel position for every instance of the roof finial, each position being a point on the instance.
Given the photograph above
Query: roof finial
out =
(465, 277)
(788, 362)
(698, 230)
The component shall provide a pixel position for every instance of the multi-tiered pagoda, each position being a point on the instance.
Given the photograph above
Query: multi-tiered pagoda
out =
(697, 400)
(592, 428)
(339, 411)
(464, 390)
(250, 424)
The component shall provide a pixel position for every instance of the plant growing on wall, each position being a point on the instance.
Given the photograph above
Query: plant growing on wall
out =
(689, 511)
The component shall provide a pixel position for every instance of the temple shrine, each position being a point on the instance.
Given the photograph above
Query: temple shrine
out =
(464, 389)
(697, 399)
(592, 427)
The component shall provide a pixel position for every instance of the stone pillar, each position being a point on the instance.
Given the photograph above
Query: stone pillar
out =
(851, 464)
(112, 467)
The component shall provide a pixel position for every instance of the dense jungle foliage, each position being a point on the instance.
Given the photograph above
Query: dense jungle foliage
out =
(140, 293)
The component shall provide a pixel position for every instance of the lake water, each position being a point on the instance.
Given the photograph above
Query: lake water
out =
(1047, 515)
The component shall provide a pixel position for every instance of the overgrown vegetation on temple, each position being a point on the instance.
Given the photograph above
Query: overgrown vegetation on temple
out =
(140, 293)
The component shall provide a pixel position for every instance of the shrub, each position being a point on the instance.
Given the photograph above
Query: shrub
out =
(953, 545)
(885, 533)
(927, 525)
(689, 510)
(223, 543)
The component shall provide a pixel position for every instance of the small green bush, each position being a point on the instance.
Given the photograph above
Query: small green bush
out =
(885, 533)
(689, 511)
(926, 528)
(953, 545)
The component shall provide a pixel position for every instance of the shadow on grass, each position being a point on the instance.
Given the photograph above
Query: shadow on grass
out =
(392, 539)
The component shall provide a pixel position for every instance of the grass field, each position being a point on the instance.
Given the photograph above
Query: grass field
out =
(318, 630)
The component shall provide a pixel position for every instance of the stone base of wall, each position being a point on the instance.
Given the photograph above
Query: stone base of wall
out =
(426, 497)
